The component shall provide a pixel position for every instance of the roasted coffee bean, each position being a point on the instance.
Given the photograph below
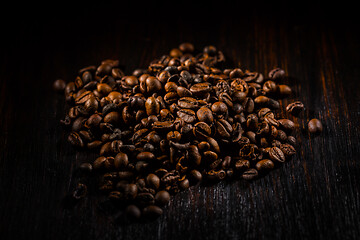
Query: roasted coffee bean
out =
(183, 92)
(219, 108)
(276, 154)
(146, 157)
(121, 160)
(295, 108)
(188, 102)
(201, 130)
(204, 114)
(145, 199)
(286, 124)
(75, 139)
(223, 128)
(86, 167)
(287, 149)
(102, 163)
(186, 47)
(315, 126)
(133, 212)
(162, 198)
(242, 164)
(59, 85)
(200, 89)
(277, 73)
(187, 115)
(153, 181)
(264, 165)
(152, 212)
(250, 174)
(284, 90)
(152, 106)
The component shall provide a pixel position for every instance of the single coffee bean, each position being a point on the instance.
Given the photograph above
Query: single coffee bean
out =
(146, 156)
(250, 174)
(204, 114)
(162, 198)
(287, 124)
(152, 212)
(59, 85)
(284, 90)
(133, 212)
(121, 160)
(287, 149)
(201, 130)
(277, 73)
(186, 47)
(187, 115)
(153, 181)
(276, 154)
(295, 108)
(264, 165)
(188, 102)
(315, 126)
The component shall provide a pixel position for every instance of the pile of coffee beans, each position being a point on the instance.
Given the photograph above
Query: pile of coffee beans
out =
(184, 119)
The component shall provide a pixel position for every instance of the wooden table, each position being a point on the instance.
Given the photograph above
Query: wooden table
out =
(316, 195)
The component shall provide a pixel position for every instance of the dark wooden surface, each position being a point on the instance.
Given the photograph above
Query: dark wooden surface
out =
(316, 195)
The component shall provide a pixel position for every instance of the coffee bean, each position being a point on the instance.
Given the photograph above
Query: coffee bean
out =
(188, 102)
(204, 114)
(59, 85)
(264, 165)
(276, 154)
(187, 115)
(162, 198)
(250, 174)
(295, 108)
(277, 73)
(315, 126)
(152, 212)
(201, 130)
(153, 181)
(186, 47)
(133, 212)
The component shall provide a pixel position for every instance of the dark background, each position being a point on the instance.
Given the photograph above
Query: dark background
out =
(316, 195)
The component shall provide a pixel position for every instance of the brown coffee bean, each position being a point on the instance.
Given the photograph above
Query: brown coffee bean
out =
(153, 181)
(276, 154)
(201, 130)
(219, 108)
(277, 73)
(315, 126)
(204, 114)
(146, 157)
(162, 198)
(284, 90)
(264, 165)
(152, 106)
(152, 212)
(250, 174)
(59, 85)
(186, 47)
(188, 102)
(286, 124)
(187, 115)
(295, 108)
(121, 160)
(133, 212)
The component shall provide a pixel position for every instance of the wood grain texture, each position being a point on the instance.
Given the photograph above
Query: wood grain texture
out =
(316, 195)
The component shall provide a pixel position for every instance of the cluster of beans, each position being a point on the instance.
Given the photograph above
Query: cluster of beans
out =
(184, 119)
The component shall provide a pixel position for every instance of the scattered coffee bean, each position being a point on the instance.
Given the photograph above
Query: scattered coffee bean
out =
(315, 126)
(182, 120)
